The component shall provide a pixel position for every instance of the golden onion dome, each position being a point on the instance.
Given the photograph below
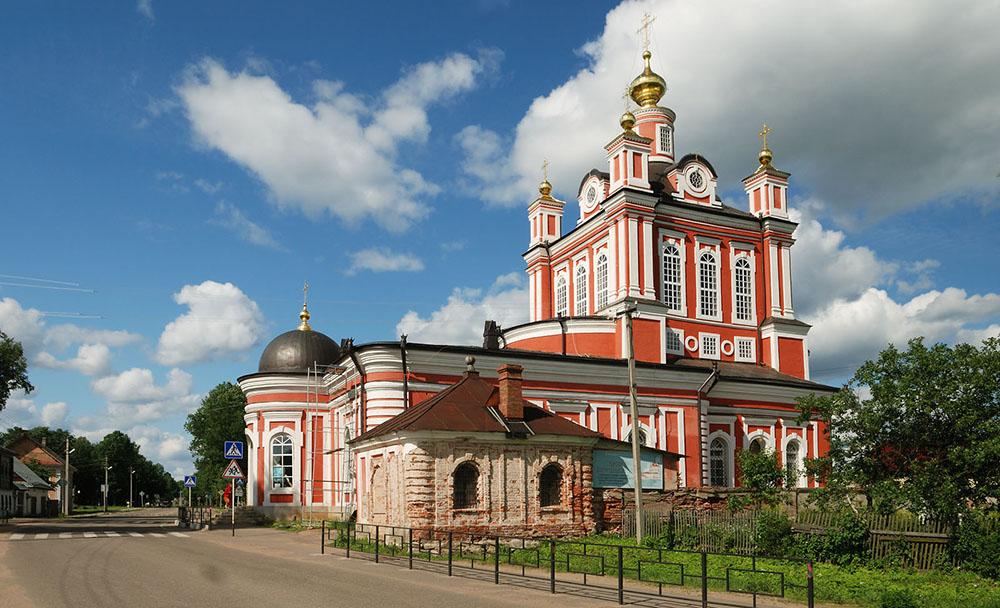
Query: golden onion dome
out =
(627, 121)
(545, 189)
(765, 158)
(648, 87)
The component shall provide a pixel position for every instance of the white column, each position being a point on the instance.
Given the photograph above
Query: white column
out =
(648, 291)
(786, 279)
(633, 260)
(773, 279)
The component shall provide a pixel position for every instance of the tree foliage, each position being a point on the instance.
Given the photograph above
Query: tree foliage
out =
(217, 420)
(760, 477)
(13, 369)
(916, 428)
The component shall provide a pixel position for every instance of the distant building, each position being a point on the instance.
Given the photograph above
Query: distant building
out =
(721, 358)
(31, 492)
(28, 450)
(7, 459)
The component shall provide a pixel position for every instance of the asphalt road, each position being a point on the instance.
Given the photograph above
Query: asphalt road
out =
(141, 559)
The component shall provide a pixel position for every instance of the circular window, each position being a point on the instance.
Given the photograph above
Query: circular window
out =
(697, 179)
(591, 194)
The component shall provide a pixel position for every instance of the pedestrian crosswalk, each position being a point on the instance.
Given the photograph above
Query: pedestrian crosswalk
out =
(91, 534)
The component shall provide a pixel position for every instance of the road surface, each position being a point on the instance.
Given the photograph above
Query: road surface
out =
(141, 559)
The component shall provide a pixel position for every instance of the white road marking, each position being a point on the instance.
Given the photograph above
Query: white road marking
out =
(16, 536)
(90, 535)
(157, 535)
(41, 536)
(112, 534)
(65, 535)
(179, 534)
(135, 534)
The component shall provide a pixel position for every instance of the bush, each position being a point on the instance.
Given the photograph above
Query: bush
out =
(774, 533)
(977, 544)
(844, 542)
(898, 598)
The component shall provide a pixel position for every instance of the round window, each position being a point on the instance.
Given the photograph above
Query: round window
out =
(697, 179)
(591, 195)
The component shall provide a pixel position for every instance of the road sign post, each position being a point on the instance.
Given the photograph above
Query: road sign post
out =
(232, 473)
(190, 481)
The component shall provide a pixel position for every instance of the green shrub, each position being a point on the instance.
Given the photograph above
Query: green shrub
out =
(898, 597)
(977, 544)
(774, 533)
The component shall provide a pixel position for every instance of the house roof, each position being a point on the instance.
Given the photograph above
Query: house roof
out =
(25, 478)
(470, 406)
(23, 445)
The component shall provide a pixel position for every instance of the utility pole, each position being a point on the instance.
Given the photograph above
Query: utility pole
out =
(106, 469)
(67, 490)
(634, 415)
(131, 472)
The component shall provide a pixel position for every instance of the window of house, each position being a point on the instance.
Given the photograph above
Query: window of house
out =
(718, 459)
(743, 278)
(709, 346)
(581, 289)
(672, 278)
(550, 486)
(792, 463)
(601, 282)
(562, 301)
(281, 461)
(664, 143)
(674, 342)
(745, 349)
(758, 445)
(708, 285)
(466, 486)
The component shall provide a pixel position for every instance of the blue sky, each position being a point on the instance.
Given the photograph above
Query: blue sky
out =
(189, 165)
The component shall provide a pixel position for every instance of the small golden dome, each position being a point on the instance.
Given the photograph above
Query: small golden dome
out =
(545, 189)
(648, 87)
(765, 158)
(304, 317)
(627, 121)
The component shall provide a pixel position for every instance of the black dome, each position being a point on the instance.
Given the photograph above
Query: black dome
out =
(297, 351)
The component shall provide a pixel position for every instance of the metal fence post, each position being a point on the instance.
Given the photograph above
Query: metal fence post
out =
(450, 534)
(704, 579)
(348, 539)
(621, 579)
(810, 590)
(322, 537)
(496, 560)
(552, 565)
(376, 544)
(411, 548)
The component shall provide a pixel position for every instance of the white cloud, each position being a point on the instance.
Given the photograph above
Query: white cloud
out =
(221, 322)
(23, 412)
(232, 219)
(145, 8)
(381, 259)
(873, 118)
(65, 335)
(137, 385)
(339, 154)
(208, 187)
(460, 319)
(90, 359)
(53, 414)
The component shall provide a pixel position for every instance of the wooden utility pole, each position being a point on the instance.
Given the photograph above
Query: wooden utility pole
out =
(67, 490)
(634, 414)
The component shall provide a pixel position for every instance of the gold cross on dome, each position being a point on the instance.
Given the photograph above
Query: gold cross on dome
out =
(763, 135)
(647, 20)
(305, 293)
(545, 169)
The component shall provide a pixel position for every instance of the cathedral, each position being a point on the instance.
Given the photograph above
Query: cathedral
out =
(520, 431)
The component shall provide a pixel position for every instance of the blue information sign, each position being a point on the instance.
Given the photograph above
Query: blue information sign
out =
(613, 469)
(233, 450)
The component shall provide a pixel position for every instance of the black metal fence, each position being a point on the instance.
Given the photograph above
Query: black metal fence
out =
(615, 571)
(196, 517)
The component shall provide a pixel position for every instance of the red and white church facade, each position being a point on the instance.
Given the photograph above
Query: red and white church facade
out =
(720, 356)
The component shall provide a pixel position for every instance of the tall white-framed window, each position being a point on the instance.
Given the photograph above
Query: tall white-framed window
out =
(601, 282)
(708, 345)
(708, 285)
(281, 461)
(719, 466)
(581, 289)
(562, 298)
(746, 350)
(793, 463)
(673, 278)
(673, 341)
(743, 288)
(664, 140)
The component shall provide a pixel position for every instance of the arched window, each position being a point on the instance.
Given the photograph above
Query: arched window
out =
(718, 462)
(642, 437)
(673, 287)
(708, 285)
(550, 486)
(562, 303)
(792, 463)
(601, 282)
(743, 279)
(581, 289)
(281, 461)
(757, 445)
(466, 486)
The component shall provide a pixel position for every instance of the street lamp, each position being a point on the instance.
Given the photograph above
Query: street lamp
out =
(131, 472)
(106, 469)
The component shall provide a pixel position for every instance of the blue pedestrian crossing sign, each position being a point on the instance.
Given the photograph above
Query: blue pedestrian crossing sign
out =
(190, 481)
(233, 450)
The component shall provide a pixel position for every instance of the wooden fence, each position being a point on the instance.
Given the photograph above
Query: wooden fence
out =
(918, 543)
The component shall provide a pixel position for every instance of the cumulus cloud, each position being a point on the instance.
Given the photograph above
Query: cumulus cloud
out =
(232, 219)
(145, 8)
(221, 322)
(460, 319)
(134, 397)
(381, 259)
(337, 155)
(24, 412)
(90, 359)
(873, 118)
(53, 414)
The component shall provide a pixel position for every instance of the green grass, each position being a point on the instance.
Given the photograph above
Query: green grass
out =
(90, 509)
(833, 584)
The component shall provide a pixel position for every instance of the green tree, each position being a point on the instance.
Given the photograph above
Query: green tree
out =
(917, 429)
(217, 420)
(122, 456)
(760, 478)
(13, 369)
